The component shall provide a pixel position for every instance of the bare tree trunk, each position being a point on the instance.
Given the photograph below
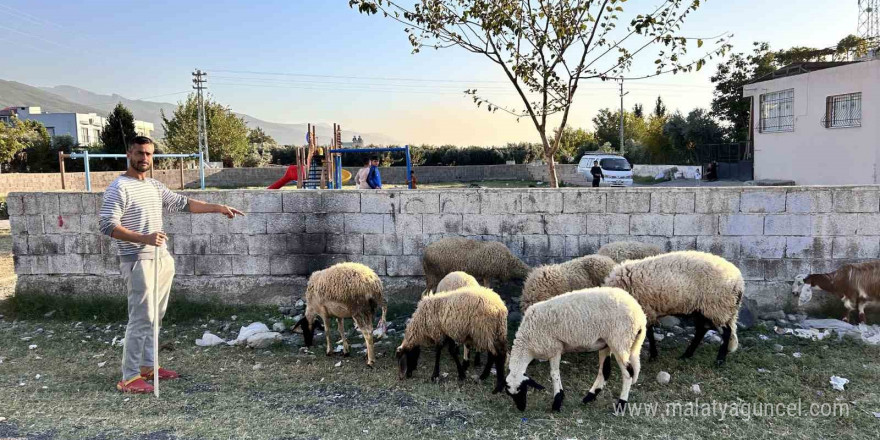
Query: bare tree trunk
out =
(551, 168)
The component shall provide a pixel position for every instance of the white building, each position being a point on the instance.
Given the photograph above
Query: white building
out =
(85, 128)
(818, 123)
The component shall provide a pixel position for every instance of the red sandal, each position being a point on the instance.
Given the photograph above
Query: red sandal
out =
(135, 385)
(163, 374)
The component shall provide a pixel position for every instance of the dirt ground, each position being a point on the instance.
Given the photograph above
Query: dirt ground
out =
(7, 271)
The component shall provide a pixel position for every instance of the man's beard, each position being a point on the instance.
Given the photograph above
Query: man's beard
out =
(142, 167)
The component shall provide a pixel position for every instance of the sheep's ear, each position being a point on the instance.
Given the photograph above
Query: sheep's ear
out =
(531, 382)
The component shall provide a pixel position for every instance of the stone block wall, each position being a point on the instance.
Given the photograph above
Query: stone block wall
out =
(772, 234)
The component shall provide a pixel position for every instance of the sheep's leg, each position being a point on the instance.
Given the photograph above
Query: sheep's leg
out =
(499, 371)
(601, 376)
(849, 309)
(627, 371)
(700, 329)
(477, 361)
(862, 305)
(556, 377)
(436, 375)
(652, 344)
(453, 351)
(346, 348)
(367, 330)
(326, 320)
(725, 344)
(488, 368)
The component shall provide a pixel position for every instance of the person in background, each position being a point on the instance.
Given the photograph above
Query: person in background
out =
(360, 179)
(374, 179)
(596, 171)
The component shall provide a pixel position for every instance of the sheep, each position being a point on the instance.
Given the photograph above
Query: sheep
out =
(475, 316)
(484, 260)
(685, 283)
(857, 284)
(456, 280)
(600, 318)
(621, 251)
(344, 290)
(548, 281)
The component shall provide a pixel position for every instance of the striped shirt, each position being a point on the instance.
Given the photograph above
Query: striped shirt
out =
(137, 206)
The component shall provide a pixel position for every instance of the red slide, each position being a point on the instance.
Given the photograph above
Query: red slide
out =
(288, 177)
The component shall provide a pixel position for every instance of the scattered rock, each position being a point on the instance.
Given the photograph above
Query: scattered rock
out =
(338, 364)
(49, 315)
(677, 330)
(763, 337)
(659, 336)
(779, 314)
(782, 322)
(746, 319)
(820, 393)
(279, 327)
(257, 366)
(763, 370)
(797, 355)
(213, 321)
(696, 389)
(32, 347)
(669, 321)
(300, 305)
(234, 317)
(339, 349)
(2, 419)
(226, 327)
(838, 382)
(663, 378)
(101, 364)
(357, 346)
(778, 348)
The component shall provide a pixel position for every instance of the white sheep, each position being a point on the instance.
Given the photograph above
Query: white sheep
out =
(484, 260)
(601, 318)
(548, 281)
(456, 280)
(344, 290)
(703, 285)
(620, 251)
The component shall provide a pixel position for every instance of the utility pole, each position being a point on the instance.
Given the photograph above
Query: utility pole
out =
(199, 80)
(621, 114)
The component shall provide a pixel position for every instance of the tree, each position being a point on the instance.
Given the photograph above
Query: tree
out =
(607, 126)
(227, 133)
(655, 141)
(659, 108)
(685, 133)
(545, 48)
(258, 136)
(19, 137)
(118, 131)
(573, 144)
(639, 111)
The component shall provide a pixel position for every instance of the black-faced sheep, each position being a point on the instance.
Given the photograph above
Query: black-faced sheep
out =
(703, 285)
(344, 290)
(484, 260)
(620, 251)
(857, 284)
(475, 316)
(545, 282)
(601, 318)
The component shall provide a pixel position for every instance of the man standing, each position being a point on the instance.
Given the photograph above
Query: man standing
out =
(596, 171)
(131, 214)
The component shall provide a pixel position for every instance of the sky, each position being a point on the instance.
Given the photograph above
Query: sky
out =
(298, 61)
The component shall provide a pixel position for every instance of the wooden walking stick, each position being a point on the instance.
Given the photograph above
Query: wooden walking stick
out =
(156, 323)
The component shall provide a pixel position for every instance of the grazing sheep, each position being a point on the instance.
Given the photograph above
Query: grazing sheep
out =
(601, 318)
(548, 281)
(686, 283)
(484, 260)
(857, 284)
(620, 251)
(344, 290)
(475, 316)
(456, 280)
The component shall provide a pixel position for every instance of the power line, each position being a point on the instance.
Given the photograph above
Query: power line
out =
(29, 17)
(357, 77)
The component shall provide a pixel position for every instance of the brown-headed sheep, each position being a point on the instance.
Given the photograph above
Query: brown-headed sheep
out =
(703, 285)
(545, 282)
(620, 251)
(344, 290)
(475, 316)
(484, 260)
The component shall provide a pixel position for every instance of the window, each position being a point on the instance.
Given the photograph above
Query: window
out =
(84, 134)
(614, 164)
(843, 111)
(777, 111)
(97, 135)
(51, 131)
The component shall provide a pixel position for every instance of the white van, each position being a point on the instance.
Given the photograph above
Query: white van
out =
(617, 170)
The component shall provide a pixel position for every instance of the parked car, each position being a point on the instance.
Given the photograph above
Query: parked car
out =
(617, 170)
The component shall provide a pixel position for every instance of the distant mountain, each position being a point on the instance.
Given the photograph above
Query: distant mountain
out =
(73, 99)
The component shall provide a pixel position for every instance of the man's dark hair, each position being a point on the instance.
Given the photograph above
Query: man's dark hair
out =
(374, 157)
(140, 140)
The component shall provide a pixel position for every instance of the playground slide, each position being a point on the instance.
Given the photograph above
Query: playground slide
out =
(290, 176)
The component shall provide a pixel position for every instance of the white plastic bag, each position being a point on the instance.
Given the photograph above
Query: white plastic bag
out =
(209, 340)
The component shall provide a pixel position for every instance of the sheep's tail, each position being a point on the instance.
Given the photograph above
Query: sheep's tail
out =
(635, 351)
(734, 339)
(383, 324)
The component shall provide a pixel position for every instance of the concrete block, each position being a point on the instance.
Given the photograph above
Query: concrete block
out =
(19, 224)
(90, 223)
(251, 265)
(482, 224)
(414, 244)
(340, 201)
(62, 223)
(301, 201)
(522, 224)
(379, 201)
(542, 201)
(94, 264)
(326, 223)
(345, 243)
(183, 264)
(45, 244)
(856, 247)
(607, 224)
(35, 224)
(808, 247)
(680, 243)
(70, 203)
(24, 264)
(213, 264)
(500, 202)
(375, 244)
(374, 262)
(762, 247)
(31, 203)
(752, 270)
(765, 201)
(91, 203)
(738, 224)
(65, 264)
(256, 201)
(192, 244)
(856, 200)
(229, 244)
(569, 224)
(441, 223)
(82, 244)
(460, 202)
(695, 224)
(788, 224)
(725, 247)
(768, 295)
(583, 201)
(20, 244)
(572, 246)
(179, 223)
(15, 205)
(544, 245)
(400, 224)
(651, 224)
(419, 202)
(48, 204)
(257, 223)
(785, 270)
(628, 201)
(403, 266)
(869, 224)
(835, 224)
(210, 224)
(286, 223)
(673, 202)
(361, 223)
(589, 244)
(313, 244)
(289, 265)
(808, 201)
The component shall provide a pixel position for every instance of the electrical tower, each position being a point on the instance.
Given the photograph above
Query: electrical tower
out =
(199, 80)
(869, 19)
